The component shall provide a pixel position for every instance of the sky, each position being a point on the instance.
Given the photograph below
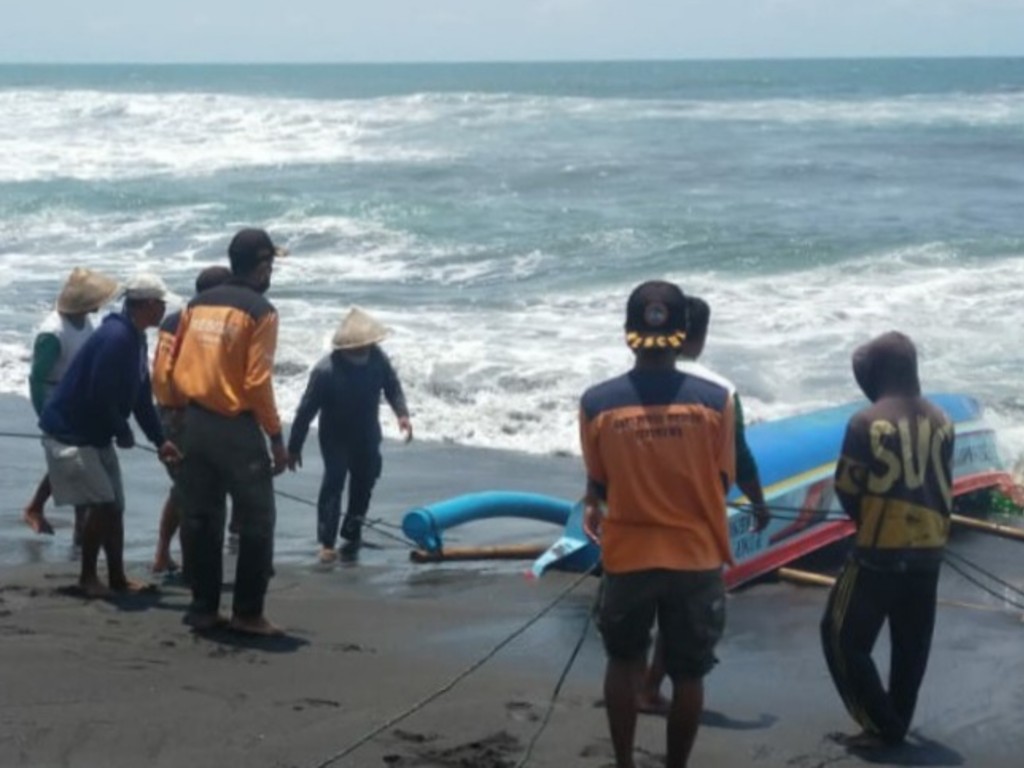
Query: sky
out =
(501, 30)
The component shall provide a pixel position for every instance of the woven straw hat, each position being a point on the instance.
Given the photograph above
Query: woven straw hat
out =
(85, 291)
(358, 329)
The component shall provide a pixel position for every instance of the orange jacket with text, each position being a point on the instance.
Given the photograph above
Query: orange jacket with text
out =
(223, 356)
(660, 447)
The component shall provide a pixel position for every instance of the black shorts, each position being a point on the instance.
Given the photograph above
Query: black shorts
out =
(688, 605)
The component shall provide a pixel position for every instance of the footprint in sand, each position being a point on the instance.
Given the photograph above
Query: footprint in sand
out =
(523, 711)
(310, 703)
(412, 737)
(351, 648)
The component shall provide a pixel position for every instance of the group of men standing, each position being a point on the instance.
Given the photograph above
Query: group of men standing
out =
(217, 427)
(662, 445)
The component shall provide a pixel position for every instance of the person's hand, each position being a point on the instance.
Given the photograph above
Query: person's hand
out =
(294, 460)
(405, 426)
(593, 517)
(169, 453)
(280, 456)
(761, 517)
(127, 440)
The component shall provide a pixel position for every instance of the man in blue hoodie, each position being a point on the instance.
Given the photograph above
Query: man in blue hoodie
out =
(107, 382)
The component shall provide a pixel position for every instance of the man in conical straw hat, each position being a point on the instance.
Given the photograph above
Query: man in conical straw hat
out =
(345, 388)
(58, 338)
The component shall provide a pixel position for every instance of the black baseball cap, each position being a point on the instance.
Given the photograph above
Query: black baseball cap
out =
(656, 316)
(249, 247)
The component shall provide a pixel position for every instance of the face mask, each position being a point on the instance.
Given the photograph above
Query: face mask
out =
(359, 357)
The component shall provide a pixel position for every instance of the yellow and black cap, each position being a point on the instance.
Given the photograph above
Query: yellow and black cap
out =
(656, 316)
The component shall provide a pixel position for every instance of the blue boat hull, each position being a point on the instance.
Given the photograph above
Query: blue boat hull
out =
(796, 459)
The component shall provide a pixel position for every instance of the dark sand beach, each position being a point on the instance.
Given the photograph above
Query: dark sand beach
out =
(112, 684)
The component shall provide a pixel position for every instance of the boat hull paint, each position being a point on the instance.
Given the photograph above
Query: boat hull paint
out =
(796, 460)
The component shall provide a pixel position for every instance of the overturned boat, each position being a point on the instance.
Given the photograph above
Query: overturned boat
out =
(796, 459)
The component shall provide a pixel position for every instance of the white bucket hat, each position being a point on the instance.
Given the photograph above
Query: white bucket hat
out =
(85, 291)
(146, 285)
(358, 329)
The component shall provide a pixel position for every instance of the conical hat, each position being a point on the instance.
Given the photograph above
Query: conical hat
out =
(358, 329)
(85, 291)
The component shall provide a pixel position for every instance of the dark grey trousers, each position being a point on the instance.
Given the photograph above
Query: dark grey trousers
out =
(227, 456)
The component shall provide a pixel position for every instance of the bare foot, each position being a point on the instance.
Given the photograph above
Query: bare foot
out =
(131, 586)
(204, 622)
(652, 704)
(94, 589)
(862, 740)
(255, 626)
(36, 520)
(164, 564)
(328, 555)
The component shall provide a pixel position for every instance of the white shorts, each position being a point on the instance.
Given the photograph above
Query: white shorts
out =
(82, 475)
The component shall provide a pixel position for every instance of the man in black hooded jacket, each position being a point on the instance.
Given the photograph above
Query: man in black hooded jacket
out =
(894, 479)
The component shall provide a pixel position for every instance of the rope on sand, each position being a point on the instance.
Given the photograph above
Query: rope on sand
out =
(963, 561)
(554, 694)
(466, 673)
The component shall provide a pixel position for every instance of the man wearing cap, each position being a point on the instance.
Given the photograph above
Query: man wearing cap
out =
(106, 383)
(748, 479)
(222, 367)
(58, 340)
(659, 451)
(172, 416)
(345, 388)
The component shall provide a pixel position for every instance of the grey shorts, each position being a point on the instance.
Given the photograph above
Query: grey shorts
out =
(689, 607)
(83, 475)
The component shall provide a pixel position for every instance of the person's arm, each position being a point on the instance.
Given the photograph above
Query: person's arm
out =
(747, 477)
(309, 406)
(596, 492)
(146, 415)
(396, 397)
(851, 471)
(259, 376)
(45, 354)
(726, 445)
(393, 392)
(110, 384)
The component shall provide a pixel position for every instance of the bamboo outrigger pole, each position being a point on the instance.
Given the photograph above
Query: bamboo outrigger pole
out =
(506, 552)
(1005, 531)
(806, 578)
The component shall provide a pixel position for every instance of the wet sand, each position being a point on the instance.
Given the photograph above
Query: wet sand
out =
(126, 684)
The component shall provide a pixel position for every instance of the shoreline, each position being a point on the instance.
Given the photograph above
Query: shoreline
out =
(414, 475)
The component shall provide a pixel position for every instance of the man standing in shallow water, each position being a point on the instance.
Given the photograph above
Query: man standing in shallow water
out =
(659, 450)
(222, 366)
(345, 389)
(172, 417)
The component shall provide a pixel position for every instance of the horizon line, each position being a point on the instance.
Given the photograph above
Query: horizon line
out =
(470, 62)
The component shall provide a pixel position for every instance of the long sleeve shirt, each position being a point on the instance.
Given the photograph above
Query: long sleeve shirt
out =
(347, 396)
(106, 383)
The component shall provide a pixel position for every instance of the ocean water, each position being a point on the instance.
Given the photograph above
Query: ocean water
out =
(496, 217)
